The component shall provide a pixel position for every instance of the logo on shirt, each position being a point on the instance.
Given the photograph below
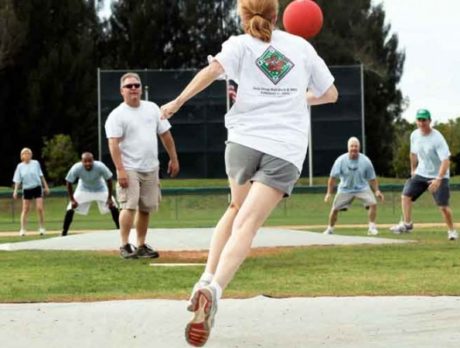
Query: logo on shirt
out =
(274, 64)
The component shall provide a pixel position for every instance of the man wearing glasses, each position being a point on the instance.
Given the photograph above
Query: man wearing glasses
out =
(357, 177)
(132, 130)
(429, 163)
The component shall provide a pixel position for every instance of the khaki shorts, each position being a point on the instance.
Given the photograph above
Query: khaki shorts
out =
(143, 192)
(343, 200)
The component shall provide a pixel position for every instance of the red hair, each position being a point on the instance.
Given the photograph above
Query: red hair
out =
(258, 17)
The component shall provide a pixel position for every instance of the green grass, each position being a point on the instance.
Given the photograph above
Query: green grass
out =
(205, 210)
(428, 267)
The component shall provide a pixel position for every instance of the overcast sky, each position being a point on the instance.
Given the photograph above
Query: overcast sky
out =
(429, 32)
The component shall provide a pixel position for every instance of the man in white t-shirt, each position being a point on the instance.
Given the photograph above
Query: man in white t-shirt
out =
(429, 163)
(132, 130)
(94, 185)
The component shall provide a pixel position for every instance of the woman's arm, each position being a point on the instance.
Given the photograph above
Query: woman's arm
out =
(203, 79)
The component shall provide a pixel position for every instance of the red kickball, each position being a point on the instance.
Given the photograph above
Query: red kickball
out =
(303, 18)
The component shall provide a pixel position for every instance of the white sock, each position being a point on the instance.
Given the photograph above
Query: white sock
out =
(330, 228)
(206, 277)
(218, 289)
(372, 225)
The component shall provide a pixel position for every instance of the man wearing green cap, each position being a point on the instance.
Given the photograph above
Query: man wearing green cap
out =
(429, 163)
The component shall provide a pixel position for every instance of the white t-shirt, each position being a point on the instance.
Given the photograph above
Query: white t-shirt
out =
(138, 128)
(28, 174)
(270, 113)
(431, 150)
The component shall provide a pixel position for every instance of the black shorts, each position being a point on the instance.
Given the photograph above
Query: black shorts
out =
(416, 185)
(32, 193)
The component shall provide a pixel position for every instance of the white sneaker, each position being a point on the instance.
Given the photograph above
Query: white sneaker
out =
(401, 228)
(22, 233)
(452, 235)
(198, 285)
(199, 328)
(328, 231)
(372, 231)
(42, 231)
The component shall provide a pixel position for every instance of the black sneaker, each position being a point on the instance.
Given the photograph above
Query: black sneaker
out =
(145, 251)
(128, 251)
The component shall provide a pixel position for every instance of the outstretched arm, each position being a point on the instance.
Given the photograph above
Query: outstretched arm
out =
(203, 79)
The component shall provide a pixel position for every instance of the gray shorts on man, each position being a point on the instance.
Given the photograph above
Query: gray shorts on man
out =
(343, 200)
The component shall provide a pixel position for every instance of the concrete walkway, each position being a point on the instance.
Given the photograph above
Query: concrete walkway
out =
(350, 322)
(326, 322)
(189, 239)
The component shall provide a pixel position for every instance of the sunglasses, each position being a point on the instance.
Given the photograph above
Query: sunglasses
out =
(422, 119)
(131, 85)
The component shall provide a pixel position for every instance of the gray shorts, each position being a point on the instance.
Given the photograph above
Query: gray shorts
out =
(416, 185)
(143, 192)
(343, 200)
(244, 164)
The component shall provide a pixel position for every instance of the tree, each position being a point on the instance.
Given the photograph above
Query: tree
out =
(166, 34)
(52, 80)
(11, 34)
(451, 131)
(354, 32)
(59, 155)
(401, 148)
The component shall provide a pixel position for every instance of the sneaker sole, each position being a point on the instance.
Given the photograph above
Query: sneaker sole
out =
(198, 329)
(156, 256)
(129, 257)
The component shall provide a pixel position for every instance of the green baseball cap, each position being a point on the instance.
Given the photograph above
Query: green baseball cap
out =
(423, 114)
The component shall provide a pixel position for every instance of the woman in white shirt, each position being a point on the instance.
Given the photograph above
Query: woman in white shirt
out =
(29, 175)
(267, 139)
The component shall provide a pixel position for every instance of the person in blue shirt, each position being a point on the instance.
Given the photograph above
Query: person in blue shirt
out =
(429, 163)
(29, 176)
(94, 185)
(357, 177)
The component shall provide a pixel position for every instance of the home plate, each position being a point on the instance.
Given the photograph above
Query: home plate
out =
(176, 264)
